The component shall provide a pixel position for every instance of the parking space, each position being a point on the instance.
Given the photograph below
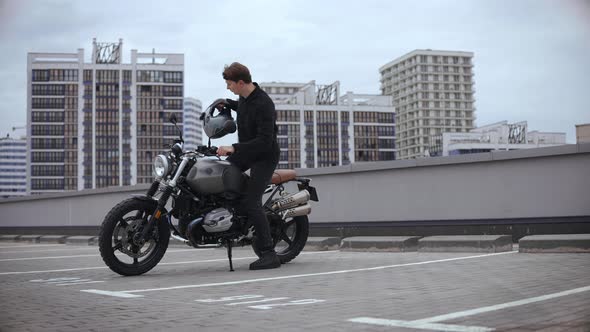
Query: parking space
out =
(59, 287)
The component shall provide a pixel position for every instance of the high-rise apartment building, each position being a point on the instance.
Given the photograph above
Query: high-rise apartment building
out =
(320, 128)
(13, 169)
(99, 124)
(193, 126)
(432, 93)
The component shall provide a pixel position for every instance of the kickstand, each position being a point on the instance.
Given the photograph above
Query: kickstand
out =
(228, 243)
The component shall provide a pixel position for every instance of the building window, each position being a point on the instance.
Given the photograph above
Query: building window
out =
(40, 75)
(172, 91)
(288, 116)
(48, 90)
(127, 76)
(172, 77)
(87, 75)
(149, 76)
(48, 103)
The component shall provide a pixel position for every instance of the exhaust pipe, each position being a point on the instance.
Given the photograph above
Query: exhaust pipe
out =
(302, 210)
(181, 239)
(291, 201)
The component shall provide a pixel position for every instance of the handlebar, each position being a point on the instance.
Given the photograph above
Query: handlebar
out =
(207, 151)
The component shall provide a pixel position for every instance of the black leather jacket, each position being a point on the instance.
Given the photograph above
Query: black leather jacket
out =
(257, 129)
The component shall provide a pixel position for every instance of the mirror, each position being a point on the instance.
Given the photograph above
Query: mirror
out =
(173, 119)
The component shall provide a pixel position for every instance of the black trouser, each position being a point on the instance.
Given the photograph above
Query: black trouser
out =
(249, 201)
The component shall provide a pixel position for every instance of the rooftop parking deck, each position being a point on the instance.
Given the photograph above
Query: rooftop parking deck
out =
(68, 288)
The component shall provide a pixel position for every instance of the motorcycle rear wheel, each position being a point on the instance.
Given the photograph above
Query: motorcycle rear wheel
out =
(289, 237)
(115, 239)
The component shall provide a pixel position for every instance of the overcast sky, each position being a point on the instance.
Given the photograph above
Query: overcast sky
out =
(531, 58)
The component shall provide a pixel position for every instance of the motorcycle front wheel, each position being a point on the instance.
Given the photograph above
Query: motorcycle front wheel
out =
(115, 239)
(289, 237)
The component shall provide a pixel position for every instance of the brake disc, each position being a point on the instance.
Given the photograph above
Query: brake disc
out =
(125, 235)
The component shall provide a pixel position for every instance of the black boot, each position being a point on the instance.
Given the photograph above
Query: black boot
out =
(268, 260)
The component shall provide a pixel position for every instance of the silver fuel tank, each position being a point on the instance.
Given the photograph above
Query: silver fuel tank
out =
(206, 176)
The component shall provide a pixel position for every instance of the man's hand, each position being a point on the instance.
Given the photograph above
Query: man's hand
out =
(220, 104)
(225, 150)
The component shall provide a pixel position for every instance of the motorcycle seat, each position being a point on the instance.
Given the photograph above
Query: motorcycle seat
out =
(282, 176)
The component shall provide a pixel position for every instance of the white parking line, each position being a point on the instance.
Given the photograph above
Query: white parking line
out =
(47, 250)
(259, 301)
(51, 257)
(238, 282)
(230, 298)
(64, 281)
(78, 283)
(35, 245)
(105, 267)
(431, 322)
(477, 311)
(74, 256)
(92, 248)
(48, 271)
(171, 263)
(115, 294)
(54, 279)
(297, 302)
(421, 326)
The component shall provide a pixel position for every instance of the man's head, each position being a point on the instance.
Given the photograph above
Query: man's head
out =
(237, 77)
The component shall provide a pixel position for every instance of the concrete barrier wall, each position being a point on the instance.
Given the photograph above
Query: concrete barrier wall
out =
(536, 183)
(84, 208)
(552, 182)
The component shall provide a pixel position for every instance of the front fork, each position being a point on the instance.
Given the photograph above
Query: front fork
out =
(144, 236)
(141, 238)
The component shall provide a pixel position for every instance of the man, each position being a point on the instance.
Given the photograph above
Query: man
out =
(257, 150)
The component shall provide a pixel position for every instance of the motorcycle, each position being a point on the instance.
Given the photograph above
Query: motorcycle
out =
(135, 233)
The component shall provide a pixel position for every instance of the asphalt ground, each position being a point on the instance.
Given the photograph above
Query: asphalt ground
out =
(46, 287)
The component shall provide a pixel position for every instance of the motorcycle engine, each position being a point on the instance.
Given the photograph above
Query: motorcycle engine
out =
(218, 220)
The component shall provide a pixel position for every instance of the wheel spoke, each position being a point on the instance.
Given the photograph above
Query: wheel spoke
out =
(285, 237)
(135, 250)
(118, 246)
(123, 223)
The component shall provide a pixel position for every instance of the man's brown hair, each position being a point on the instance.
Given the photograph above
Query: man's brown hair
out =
(237, 71)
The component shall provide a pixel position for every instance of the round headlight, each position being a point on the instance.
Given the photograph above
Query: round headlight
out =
(161, 166)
